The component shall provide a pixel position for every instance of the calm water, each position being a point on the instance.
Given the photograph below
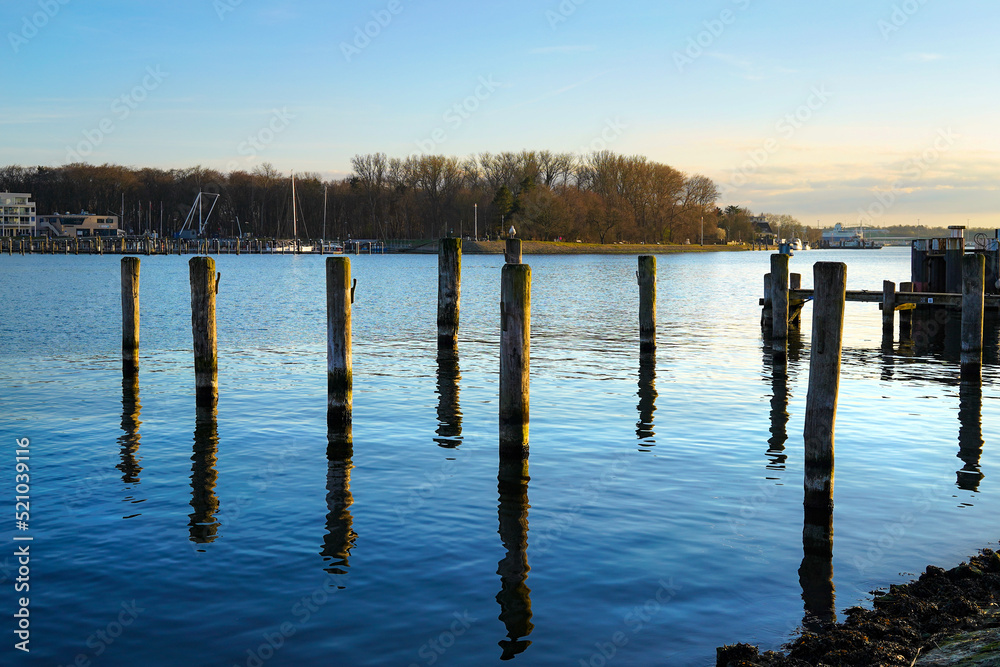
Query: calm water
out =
(663, 516)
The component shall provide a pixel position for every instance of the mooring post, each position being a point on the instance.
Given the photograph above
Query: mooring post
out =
(515, 353)
(766, 317)
(647, 303)
(888, 311)
(512, 251)
(204, 287)
(130, 315)
(954, 250)
(830, 292)
(795, 282)
(905, 315)
(340, 377)
(973, 287)
(779, 306)
(449, 291)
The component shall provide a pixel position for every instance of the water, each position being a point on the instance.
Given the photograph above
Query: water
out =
(663, 516)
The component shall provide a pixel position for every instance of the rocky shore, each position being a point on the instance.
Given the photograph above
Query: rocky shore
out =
(946, 617)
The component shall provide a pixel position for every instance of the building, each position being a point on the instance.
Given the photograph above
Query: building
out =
(17, 214)
(83, 224)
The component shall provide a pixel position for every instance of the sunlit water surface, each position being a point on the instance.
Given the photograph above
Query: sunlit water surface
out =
(663, 512)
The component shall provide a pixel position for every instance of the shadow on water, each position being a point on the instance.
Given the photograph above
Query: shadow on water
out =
(449, 413)
(816, 571)
(340, 535)
(514, 596)
(647, 400)
(129, 441)
(970, 433)
(203, 525)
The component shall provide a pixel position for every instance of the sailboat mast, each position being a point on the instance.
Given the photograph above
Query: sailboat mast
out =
(295, 220)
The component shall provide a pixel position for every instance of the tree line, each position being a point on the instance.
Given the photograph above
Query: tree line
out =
(602, 197)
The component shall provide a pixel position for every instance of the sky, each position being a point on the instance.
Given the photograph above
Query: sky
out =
(882, 111)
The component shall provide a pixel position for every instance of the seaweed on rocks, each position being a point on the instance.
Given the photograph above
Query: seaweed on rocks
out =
(906, 620)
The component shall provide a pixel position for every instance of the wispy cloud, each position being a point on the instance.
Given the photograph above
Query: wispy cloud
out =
(580, 48)
(552, 93)
(922, 57)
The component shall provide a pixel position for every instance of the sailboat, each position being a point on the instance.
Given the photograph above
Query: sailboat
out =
(295, 222)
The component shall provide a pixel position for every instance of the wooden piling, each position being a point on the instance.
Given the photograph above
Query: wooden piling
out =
(830, 284)
(449, 292)
(515, 353)
(204, 287)
(973, 287)
(766, 316)
(340, 377)
(647, 303)
(795, 318)
(779, 306)
(512, 251)
(888, 311)
(905, 315)
(130, 315)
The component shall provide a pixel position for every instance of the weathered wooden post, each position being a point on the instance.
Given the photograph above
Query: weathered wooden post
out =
(449, 291)
(905, 315)
(340, 377)
(512, 251)
(888, 311)
(794, 282)
(954, 250)
(515, 355)
(130, 315)
(646, 276)
(766, 314)
(204, 287)
(973, 284)
(830, 291)
(779, 306)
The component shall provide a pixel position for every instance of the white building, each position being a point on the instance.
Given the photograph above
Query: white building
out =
(84, 224)
(17, 214)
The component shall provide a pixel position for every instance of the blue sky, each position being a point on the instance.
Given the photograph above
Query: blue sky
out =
(828, 111)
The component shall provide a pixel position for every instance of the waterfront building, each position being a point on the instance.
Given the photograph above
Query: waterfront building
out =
(17, 214)
(82, 224)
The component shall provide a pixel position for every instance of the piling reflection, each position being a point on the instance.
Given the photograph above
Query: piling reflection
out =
(204, 526)
(647, 398)
(129, 440)
(970, 433)
(514, 596)
(816, 571)
(779, 417)
(340, 535)
(449, 413)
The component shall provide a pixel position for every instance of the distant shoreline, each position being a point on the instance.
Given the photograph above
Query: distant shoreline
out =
(562, 248)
